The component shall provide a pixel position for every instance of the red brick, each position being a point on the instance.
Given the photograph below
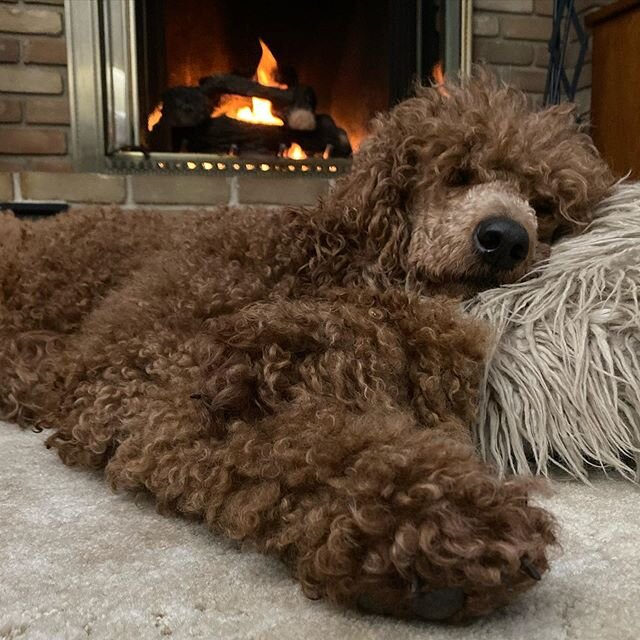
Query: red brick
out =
(590, 5)
(584, 81)
(544, 7)
(58, 164)
(45, 51)
(11, 164)
(542, 56)
(32, 141)
(18, 20)
(47, 110)
(485, 25)
(571, 56)
(17, 79)
(503, 52)
(583, 102)
(526, 27)
(9, 50)
(511, 6)
(10, 111)
(529, 80)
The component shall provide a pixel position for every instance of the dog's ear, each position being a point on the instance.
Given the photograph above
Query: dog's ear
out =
(577, 176)
(375, 195)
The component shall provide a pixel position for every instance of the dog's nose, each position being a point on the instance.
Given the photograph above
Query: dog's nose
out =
(502, 242)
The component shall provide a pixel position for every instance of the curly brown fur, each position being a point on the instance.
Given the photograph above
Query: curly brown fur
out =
(438, 164)
(282, 375)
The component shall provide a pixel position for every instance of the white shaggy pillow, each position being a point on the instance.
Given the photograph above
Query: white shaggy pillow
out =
(563, 383)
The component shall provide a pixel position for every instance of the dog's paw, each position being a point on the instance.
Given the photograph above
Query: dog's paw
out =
(471, 548)
(439, 539)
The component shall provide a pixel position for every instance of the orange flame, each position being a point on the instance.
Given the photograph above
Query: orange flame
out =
(438, 75)
(259, 110)
(154, 117)
(295, 152)
(267, 71)
(259, 113)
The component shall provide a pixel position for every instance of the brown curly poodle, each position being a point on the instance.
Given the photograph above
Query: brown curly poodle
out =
(303, 380)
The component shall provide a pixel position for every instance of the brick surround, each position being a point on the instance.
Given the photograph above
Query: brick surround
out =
(34, 98)
(512, 37)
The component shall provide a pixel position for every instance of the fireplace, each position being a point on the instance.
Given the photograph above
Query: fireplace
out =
(288, 87)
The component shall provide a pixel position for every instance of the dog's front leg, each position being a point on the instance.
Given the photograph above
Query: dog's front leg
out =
(367, 510)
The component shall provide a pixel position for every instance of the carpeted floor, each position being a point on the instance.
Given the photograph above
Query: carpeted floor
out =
(77, 561)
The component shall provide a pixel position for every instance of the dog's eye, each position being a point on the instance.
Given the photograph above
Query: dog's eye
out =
(459, 178)
(544, 208)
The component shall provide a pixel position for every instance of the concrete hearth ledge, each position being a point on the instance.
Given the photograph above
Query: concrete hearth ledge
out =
(162, 190)
(78, 561)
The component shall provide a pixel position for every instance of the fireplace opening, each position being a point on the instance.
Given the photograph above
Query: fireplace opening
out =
(290, 79)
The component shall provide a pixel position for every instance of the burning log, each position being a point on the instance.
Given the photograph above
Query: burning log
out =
(182, 108)
(326, 134)
(300, 114)
(185, 106)
(216, 86)
(296, 105)
(217, 135)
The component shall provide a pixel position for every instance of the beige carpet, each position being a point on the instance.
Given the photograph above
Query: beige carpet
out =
(77, 561)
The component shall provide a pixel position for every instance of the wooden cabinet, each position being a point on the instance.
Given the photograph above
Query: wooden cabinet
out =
(615, 91)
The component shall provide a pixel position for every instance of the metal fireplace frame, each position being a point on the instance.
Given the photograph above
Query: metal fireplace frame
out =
(104, 94)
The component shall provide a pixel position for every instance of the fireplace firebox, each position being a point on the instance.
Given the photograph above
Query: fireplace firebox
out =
(186, 85)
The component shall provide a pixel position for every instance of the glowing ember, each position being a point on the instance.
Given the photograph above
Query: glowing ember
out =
(258, 111)
(438, 75)
(295, 152)
(154, 117)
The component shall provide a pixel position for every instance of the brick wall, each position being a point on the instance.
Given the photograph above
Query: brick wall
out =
(512, 37)
(34, 100)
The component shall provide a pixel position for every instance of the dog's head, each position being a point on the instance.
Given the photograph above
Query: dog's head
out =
(466, 190)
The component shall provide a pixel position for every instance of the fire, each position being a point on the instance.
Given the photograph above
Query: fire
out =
(154, 117)
(295, 152)
(267, 71)
(438, 75)
(259, 112)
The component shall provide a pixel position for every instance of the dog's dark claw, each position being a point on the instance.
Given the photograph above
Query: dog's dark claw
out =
(437, 605)
(440, 604)
(530, 570)
(370, 605)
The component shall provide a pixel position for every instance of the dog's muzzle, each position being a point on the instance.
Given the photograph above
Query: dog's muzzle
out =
(501, 242)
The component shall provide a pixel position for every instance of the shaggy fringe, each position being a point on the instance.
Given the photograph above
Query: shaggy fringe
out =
(562, 387)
